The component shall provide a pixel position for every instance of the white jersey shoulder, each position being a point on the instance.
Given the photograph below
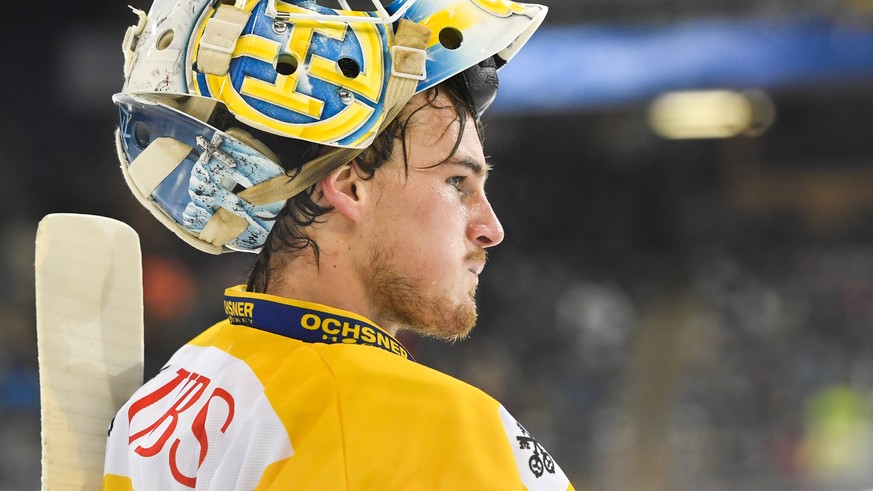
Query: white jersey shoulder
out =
(187, 429)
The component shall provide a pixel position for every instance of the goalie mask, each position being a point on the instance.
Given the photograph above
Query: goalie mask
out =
(202, 75)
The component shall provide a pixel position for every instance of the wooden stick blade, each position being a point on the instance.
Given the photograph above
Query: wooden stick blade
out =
(89, 315)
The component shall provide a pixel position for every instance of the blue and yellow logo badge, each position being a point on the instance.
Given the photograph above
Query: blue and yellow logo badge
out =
(313, 80)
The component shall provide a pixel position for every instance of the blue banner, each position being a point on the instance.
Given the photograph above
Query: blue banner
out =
(577, 67)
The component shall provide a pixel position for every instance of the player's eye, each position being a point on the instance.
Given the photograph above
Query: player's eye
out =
(456, 182)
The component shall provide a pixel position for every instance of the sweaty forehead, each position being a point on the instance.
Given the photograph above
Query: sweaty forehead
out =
(435, 126)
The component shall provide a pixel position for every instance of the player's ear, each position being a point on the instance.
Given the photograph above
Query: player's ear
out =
(342, 190)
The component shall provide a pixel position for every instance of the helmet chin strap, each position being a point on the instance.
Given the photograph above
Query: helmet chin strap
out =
(408, 67)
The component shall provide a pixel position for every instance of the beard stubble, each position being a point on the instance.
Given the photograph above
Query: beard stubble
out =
(404, 300)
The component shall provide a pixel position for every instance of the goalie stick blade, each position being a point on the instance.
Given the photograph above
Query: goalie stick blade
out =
(89, 324)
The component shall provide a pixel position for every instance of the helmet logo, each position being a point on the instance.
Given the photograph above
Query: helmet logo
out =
(292, 83)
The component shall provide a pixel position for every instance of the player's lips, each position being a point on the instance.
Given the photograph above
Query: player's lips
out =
(476, 261)
(475, 270)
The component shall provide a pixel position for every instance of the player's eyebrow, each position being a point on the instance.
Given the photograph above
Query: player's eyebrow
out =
(475, 167)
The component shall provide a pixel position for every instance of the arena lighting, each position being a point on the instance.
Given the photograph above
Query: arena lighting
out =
(711, 114)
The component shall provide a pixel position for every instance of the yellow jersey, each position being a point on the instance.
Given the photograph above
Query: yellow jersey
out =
(294, 395)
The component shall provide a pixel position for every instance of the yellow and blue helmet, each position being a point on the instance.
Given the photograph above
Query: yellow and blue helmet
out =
(292, 69)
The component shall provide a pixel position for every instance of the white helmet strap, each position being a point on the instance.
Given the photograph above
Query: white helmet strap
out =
(219, 39)
(156, 162)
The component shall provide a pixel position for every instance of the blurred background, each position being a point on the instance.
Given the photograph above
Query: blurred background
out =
(685, 294)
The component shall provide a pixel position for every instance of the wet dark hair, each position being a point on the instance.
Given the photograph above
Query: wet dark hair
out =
(288, 235)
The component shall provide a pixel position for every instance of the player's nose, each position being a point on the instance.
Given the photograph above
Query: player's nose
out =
(485, 229)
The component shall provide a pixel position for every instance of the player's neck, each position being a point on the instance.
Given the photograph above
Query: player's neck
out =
(333, 280)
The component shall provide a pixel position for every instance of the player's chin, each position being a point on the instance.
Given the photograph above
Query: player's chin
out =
(454, 323)
(449, 323)
(451, 334)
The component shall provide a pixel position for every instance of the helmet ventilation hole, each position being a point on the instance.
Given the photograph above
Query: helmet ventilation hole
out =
(165, 40)
(451, 38)
(286, 64)
(349, 67)
(141, 135)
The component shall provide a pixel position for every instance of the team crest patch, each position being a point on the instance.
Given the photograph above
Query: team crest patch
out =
(536, 466)
(291, 81)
